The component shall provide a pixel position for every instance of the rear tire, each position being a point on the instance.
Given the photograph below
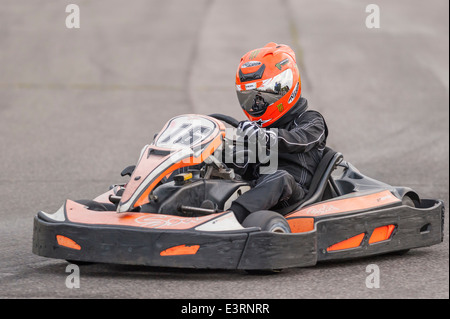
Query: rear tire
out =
(407, 201)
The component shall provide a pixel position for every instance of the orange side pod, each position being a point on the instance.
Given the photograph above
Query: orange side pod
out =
(301, 225)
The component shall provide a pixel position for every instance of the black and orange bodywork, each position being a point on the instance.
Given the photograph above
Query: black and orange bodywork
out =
(141, 223)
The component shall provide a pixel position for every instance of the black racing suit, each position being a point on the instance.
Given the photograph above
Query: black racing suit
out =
(301, 140)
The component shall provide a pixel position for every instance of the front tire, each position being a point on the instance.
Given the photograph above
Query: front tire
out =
(268, 221)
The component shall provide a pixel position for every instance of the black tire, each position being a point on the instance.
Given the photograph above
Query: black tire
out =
(407, 201)
(268, 221)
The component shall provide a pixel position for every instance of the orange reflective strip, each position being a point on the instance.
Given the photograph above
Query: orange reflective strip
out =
(67, 242)
(352, 242)
(180, 250)
(301, 225)
(381, 233)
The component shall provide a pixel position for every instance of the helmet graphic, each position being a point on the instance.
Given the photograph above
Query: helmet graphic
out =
(268, 83)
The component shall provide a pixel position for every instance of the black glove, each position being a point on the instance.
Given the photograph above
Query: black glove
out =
(248, 128)
(254, 132)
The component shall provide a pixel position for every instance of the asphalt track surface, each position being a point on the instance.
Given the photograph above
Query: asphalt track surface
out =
(77, 105)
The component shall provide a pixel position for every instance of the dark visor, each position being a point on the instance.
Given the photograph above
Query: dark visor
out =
(255, 101)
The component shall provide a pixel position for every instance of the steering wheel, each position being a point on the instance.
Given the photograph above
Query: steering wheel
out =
(226, 118)
(244, 152)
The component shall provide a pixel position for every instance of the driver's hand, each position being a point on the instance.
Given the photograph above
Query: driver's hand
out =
(256, 133)
(247, 128)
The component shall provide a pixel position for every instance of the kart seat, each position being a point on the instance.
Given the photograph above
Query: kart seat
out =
(321, 183)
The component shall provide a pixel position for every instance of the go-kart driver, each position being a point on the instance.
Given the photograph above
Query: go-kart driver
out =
(268, 87)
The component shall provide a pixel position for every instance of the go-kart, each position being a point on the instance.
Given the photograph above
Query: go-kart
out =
(173, 212)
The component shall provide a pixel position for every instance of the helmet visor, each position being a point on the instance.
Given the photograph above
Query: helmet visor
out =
(255, 100)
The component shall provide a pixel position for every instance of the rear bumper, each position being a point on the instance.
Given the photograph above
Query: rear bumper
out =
(414, 228)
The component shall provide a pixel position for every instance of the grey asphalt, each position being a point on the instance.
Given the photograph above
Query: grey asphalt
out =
(77, 105)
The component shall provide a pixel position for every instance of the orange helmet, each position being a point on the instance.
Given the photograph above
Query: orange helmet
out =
(268, 83)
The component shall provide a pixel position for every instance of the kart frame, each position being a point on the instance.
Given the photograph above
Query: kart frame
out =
(349, 216)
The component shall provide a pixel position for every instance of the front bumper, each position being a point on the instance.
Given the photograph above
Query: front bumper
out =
(246, 249)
